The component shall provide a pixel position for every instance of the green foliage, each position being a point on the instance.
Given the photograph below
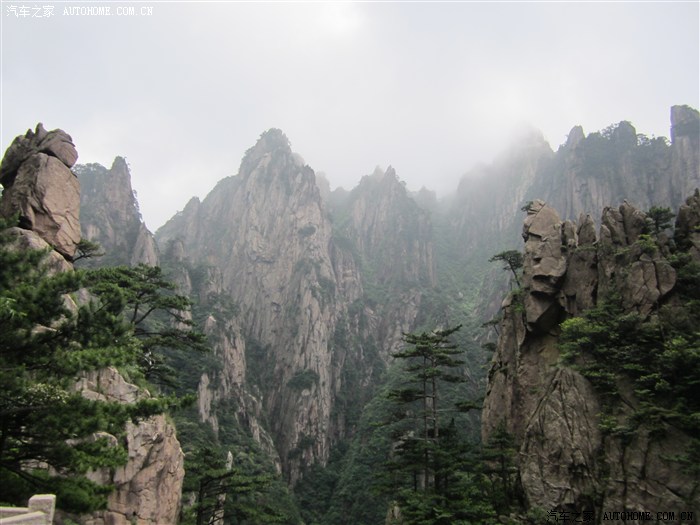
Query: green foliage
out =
(156, 315)
(87, 249)
(513, 261)
(646, 243)
(427, 473)
(46, 342)
(499, 468)
(237, 492)
(659, 219)
(253, 492)
(303, 380)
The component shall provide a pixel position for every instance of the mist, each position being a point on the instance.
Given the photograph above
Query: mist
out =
(431, 89)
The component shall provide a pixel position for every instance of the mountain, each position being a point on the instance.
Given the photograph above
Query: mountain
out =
(304, 294)
(40, 188)
(315, 330)
(584, 175)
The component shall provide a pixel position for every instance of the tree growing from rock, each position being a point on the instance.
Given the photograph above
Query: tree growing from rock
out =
(659, 219)
(513, 260)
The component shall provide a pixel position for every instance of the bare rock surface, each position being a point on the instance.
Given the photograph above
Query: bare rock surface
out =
(38, 184)
(56, 143)
(46, 195)
(110, 215)
(148, 487)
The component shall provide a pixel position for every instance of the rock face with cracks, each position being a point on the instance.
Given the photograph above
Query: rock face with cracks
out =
(148, 487)
(553, 412)
(40, 187)
(266, 239)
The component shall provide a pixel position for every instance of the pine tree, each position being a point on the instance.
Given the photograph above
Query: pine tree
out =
(425, 468)
(513, 260)
(156, 315)
(659, 219)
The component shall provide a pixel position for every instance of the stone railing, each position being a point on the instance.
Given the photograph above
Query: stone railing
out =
(39, 511)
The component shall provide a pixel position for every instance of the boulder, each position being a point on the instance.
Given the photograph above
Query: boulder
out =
(46, 195)
(29, 240)
(56, 143)
(544, 264)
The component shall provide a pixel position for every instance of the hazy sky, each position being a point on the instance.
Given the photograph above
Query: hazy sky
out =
(430, 88)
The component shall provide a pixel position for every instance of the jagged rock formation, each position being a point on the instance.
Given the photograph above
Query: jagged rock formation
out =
(588, 172)
(553, 412)
(583, 176)
(390, 231)
(39, 186)
(392, 239)
(266, 239)
(110, 215)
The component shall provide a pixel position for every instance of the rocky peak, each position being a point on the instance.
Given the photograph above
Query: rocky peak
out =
(575, 137)
(267, 233)
(39, 186)
(56, 143)
(685, 122)
(625, 134)
(270, 142)
(111, 217)
(391, 230)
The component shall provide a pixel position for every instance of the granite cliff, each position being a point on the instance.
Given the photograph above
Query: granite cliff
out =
(304, 292)
(265, 238)
(584, 175)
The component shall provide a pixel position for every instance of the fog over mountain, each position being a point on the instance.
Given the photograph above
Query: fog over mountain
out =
(430, 89)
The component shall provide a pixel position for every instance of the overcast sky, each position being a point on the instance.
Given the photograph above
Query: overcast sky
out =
(430, 88)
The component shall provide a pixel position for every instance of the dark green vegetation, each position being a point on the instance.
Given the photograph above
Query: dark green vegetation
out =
(50, 336)
(251, 492)
(417, 449)
(432, 475)
(513, 262)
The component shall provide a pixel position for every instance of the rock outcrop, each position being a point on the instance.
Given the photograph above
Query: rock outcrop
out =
(583, 176)
(110, 216)
(564, 459)
(391, 237)
(148, 487)
(39, 186)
